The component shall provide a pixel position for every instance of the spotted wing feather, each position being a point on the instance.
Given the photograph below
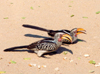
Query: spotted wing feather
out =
(47, 45)
(43, 45)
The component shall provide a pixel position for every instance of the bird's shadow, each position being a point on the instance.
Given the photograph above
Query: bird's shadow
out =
(35, 36)
(59, 51)
(38, 36)
(79, 40)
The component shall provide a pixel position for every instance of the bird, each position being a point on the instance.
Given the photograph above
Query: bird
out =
(73, 33)
(45, 46)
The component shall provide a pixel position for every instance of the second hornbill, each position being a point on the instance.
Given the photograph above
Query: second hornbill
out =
(73, 33)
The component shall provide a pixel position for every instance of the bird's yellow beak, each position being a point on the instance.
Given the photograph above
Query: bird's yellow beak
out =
(67, 37)
(81, 30)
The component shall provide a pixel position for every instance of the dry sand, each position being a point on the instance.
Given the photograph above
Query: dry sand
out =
(50, 14)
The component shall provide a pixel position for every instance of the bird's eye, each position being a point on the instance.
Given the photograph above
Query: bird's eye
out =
(60, 35)
(75, 31)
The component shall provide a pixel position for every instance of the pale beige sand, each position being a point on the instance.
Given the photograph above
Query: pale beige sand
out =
(50, 14)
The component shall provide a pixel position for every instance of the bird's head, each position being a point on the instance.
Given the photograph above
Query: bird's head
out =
(77, 31)
(66, 37)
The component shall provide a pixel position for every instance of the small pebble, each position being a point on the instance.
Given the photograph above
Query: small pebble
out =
(86, 55)
(71, 60)
(57, 69)
(97, 65)
(34, 65)
(39, 66)
(64, 58)
(44, 66)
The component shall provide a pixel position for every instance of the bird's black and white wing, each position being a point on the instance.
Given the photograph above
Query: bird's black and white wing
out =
(47, 45)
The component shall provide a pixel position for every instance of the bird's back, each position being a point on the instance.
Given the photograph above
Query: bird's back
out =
(53, 32)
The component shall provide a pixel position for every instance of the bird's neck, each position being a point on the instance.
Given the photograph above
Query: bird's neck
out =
(59, 43)
(74, 36)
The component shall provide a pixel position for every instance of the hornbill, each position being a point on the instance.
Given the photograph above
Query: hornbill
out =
(45, 45)
(73, 33)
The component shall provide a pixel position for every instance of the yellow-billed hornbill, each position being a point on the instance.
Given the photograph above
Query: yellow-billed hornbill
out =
(45, 45)
(73, 33)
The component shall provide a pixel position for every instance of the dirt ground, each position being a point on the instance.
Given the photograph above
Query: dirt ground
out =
(50, 14)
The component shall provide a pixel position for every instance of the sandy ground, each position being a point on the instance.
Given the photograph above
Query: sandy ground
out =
(50, 14)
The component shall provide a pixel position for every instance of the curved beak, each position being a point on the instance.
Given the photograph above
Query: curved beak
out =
(81, 30)
(67, 37)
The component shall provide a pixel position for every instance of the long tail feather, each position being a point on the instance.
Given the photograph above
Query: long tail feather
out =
(35, 27)
(17, 47)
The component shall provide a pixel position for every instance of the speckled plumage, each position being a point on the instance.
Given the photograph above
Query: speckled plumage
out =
(43, 46)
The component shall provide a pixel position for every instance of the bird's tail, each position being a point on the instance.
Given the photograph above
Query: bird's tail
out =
(35, 27)
(17, 47)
